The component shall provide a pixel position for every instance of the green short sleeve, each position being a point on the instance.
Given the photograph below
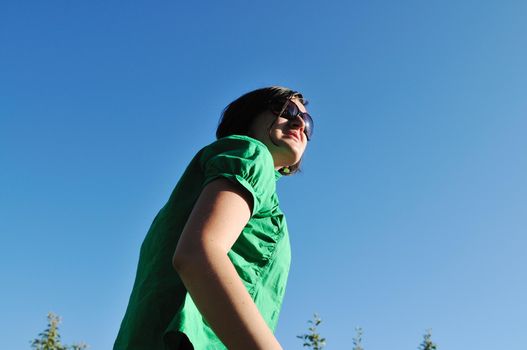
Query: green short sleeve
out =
(161, 314)
(245, 161)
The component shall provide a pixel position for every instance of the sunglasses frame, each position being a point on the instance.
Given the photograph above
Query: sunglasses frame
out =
(300, 113)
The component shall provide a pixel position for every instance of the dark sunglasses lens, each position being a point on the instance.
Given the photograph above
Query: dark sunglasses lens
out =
(308, 124)
(291, 111)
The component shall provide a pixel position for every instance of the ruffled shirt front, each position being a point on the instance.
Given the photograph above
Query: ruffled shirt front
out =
(160, 309)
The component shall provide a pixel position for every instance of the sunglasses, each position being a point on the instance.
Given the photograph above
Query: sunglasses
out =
(290, 111)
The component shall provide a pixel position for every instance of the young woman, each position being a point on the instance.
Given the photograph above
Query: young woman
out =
(213, 267)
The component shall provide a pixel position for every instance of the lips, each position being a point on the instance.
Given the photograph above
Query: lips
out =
(293, 134)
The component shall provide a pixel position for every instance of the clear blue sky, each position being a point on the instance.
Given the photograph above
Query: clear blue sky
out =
(411, 212)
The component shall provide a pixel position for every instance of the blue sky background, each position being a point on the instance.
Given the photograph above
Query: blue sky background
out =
(411, 211)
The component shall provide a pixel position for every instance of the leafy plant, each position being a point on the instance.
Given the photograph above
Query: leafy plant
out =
(357, 340)
(50, 338)
(427, 343)
(313, 339)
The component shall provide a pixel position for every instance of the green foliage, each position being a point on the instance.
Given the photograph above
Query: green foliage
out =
(313, 340)
(427, 343)
(50, 338)
(357, 340)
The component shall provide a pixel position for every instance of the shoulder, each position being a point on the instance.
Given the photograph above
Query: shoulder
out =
(239, 146)
(242, 160)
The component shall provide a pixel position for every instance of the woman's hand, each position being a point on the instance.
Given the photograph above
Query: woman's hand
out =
(217, 219)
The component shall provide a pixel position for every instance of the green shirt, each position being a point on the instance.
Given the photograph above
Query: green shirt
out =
(160, 310)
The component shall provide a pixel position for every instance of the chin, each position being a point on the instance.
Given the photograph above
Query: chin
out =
(291, 151)
(294, 159)
(296, 155)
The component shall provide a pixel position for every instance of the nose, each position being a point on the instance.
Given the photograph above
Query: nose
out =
(298, 123)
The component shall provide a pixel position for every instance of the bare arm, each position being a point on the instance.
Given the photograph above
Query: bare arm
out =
(218, 217)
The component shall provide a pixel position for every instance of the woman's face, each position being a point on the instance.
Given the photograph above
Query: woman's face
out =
(284, 138)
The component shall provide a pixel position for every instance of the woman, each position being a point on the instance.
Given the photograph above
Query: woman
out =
(214, 264)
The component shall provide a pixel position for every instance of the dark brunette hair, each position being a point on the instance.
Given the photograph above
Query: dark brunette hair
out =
(238, 116)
